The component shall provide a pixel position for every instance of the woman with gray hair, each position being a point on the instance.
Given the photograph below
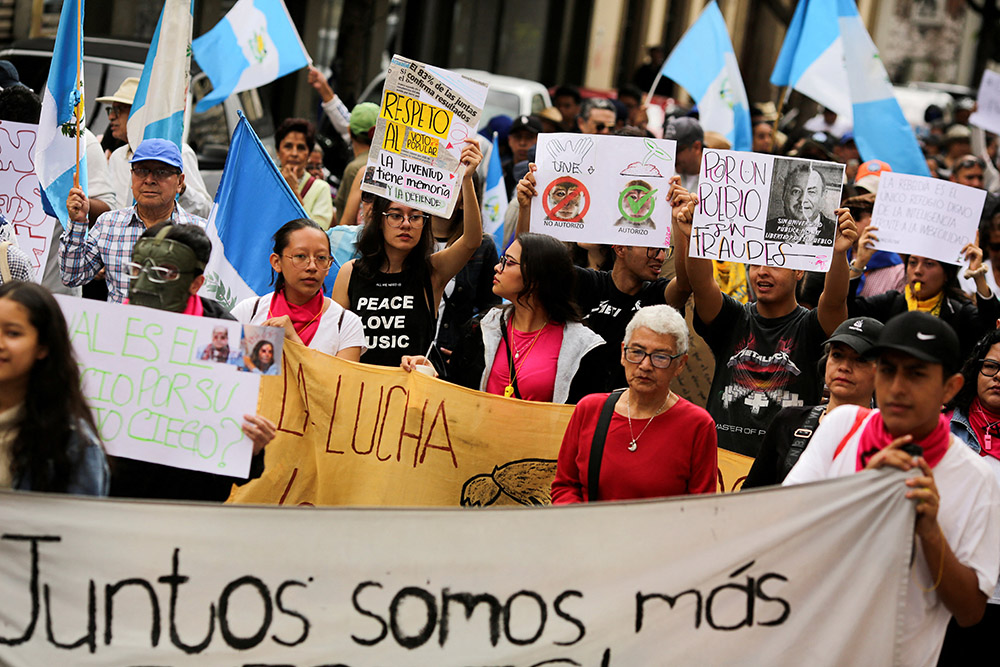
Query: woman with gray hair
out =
(643, 441)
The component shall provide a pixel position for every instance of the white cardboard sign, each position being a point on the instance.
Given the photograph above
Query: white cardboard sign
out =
(20, 196)
(987, 113)
(164, 387)
(918, 215)
(603, 189)
(766, 210)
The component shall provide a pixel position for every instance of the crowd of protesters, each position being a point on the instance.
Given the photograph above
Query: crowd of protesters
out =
(905, 347)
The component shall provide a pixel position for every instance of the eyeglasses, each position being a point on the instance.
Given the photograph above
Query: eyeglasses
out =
(156, 274)
(394, 219)
(988, 367)
(506, 260)
(651, 253)
(117, 110)
(600, 127)
(301, 261)
(158, 174)
(634, 355)
(968, 163)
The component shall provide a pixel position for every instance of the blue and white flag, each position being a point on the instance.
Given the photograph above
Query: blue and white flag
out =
(881, 131)
(705, 64)
(495, 197)
(812, 57)
(254, 44)
(158, 109)
(252, 202)
(55, 154)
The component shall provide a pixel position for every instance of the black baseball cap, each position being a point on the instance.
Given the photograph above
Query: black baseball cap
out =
(923, 336)
(529, 123)
(858, 333)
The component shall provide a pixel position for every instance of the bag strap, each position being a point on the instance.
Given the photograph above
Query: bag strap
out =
(801, 437)
(510, 360)
(597, 445)
(429, 298)
(255, 305)
(858, 419)
(305, 188)
(4, 264)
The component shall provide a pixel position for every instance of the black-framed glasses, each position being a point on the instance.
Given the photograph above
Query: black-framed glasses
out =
(506, 260)
(395, 219)
(301, 261)
(159, 174)
(116, 110)
(635, 355)
(156, 274)
(988, 367)
(668, 252)
(600, 127)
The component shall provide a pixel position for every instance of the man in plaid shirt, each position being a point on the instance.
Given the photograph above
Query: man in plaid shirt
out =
(157, 179)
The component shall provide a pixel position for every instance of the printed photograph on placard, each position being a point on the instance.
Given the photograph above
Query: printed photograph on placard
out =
(262, 348)
(804, 195)
(224, 345)
(603, 189)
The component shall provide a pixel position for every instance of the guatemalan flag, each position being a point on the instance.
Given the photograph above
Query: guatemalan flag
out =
(55, 154)
(705, 64)
(495, 197)
(829, 56)
(252, 202)
(158, 109)
(254, 44)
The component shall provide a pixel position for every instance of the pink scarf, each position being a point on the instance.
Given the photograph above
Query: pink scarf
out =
(305, 318)
(876, 437)
(982, 421)
(194, 306)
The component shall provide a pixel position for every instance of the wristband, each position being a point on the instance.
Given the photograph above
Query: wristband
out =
(854, 268)
(972, 273)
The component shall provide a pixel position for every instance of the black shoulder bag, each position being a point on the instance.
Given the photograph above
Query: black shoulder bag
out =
(597, 445)
(803, 434)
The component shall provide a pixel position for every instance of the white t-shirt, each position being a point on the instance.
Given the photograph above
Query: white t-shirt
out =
(969, 516)
(329, 338)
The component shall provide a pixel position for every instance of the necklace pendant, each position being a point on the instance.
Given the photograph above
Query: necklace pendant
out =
(989, 440)
(508, 391)
(517, 354)
(633, 446)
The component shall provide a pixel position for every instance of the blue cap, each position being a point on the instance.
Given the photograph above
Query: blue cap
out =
(161, 150)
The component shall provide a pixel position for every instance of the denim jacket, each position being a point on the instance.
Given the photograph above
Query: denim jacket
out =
(962, 429)
(90, 476)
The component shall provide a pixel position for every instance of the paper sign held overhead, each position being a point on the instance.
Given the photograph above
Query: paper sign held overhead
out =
(603, 189)
(165, 387)
(916, 215)
(425, 116)
(987, 113)
(765, 210)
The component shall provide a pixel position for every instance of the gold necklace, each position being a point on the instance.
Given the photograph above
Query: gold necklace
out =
(634, 444)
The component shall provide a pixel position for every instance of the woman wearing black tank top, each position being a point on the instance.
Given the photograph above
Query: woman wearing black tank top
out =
(396, 284)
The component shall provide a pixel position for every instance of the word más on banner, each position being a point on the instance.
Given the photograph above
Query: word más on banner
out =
(766, 210)
(354, 434)
(426, 114)
(604, 189)
(987, 113)
(164, 387)
(926, 216)
(103, 582)
(20, 195)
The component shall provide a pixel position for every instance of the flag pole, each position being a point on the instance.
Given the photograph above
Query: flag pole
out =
(656, 82)
(76, 110)
(781, 105)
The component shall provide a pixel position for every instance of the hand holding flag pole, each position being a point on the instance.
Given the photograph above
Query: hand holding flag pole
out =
(78, 99)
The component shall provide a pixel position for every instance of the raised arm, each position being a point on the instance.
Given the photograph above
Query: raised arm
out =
(448, 262)
(525, 191)
(832, 306)
(707, 295)
(79, 257)
(682, 205)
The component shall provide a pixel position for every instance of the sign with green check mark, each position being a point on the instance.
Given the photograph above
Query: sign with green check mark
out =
(636, 203)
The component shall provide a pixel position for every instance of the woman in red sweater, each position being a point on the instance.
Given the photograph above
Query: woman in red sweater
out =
(654, 442)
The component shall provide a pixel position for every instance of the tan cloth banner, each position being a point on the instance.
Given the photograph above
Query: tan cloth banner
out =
(355, 434)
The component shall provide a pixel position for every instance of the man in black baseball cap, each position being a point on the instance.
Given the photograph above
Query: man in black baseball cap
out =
(521, 138)
(849, 372)
(955, 569)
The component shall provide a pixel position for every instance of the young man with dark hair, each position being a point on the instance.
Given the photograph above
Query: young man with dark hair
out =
(567, 100)
(955, 567)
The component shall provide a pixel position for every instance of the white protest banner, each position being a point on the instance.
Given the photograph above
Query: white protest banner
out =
(766, 210)
(20, 196)
(164, 387)
(603, 189)
(917, 215)
(426, 115)
(814, 574)
(987, 113)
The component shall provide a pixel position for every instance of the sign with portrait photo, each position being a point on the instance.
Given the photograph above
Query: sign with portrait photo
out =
(425, 117)
(597, 188)
(766, 210)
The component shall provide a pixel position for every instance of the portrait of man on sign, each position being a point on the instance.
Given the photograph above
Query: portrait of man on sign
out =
(800, 210)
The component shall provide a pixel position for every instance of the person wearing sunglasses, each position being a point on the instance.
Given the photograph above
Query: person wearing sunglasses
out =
(300, 260)
(644, 441)
(157, 179)
(397, 281)
(975, 420)
(597, 116)
(166, 272)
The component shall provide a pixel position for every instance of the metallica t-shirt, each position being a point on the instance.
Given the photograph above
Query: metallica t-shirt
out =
(761, 366)
(607, 311)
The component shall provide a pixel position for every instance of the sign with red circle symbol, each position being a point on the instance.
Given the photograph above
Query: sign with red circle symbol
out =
(566, 199)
